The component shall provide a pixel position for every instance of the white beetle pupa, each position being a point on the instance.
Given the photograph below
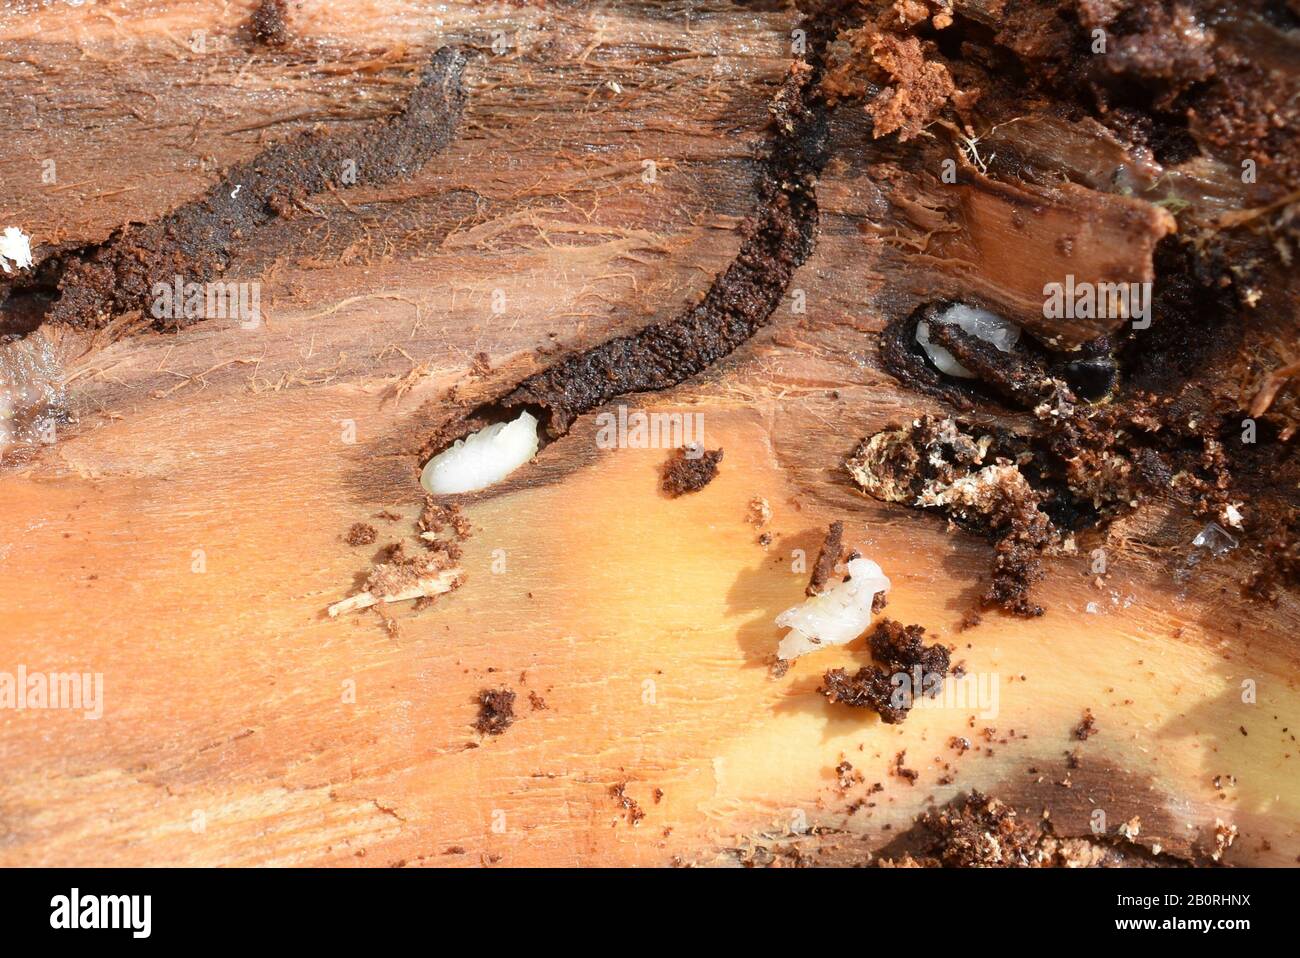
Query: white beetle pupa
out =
(15, 248)
(838, 615)
(973, 321)
(483, 458)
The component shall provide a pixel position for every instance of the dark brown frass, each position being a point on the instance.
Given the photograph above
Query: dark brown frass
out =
(198, 241)
(777, 239)
(496, 711)
(689, 470)
(901, 650)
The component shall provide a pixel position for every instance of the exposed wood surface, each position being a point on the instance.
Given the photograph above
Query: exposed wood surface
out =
(645, 624)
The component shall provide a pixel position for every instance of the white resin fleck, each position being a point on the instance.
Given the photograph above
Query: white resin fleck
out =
(1216, 539)
(15, 249)
(838, 615)
(483, 458)
(973, 321)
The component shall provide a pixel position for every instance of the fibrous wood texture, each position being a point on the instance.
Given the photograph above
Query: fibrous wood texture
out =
(184, 533)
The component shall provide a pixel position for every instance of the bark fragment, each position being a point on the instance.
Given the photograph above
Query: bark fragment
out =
(827, 557)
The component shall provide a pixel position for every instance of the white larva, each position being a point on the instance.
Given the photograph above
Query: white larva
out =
(973, 321)
(482, 458)
(836, 616)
